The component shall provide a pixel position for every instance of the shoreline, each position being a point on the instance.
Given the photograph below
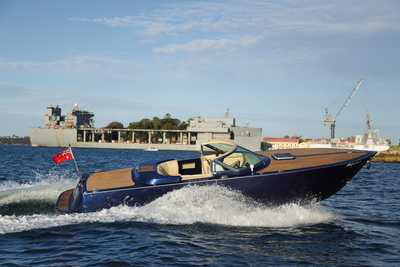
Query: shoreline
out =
(390, 156)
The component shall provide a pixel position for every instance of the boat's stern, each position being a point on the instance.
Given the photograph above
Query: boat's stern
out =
(70, 200)
(64, 200)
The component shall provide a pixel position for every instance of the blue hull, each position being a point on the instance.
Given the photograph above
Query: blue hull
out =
(301, 185)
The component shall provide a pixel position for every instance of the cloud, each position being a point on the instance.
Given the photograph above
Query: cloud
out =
(207, 44)
(210, 26)
(111, 21)
(68, 63)
(255, 17)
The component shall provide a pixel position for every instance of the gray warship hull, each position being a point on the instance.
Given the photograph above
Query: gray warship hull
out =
(94, 138)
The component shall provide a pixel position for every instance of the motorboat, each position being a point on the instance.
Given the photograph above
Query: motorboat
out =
(151, 149)
(271, 178)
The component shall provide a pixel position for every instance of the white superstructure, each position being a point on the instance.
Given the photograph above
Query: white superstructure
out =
(370, 141)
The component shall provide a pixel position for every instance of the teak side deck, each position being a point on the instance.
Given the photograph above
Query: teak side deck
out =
(310, 157)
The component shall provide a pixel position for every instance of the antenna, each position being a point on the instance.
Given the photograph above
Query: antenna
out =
(227, 114)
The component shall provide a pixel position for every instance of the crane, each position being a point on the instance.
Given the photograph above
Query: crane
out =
(329, 120)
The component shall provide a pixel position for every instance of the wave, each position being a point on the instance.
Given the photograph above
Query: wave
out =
(189, 205)
(36, 196)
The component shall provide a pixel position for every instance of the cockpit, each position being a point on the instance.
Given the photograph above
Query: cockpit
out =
(229, 159)
(218, 159)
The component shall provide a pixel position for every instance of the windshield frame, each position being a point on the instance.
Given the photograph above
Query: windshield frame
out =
(219, 152)
(219, 160)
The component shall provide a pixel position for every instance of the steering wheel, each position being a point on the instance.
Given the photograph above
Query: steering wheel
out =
(236, 164)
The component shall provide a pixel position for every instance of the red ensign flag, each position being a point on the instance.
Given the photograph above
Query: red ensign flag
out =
(63, 156)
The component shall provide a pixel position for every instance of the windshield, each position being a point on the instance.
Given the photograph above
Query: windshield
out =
(241, 158)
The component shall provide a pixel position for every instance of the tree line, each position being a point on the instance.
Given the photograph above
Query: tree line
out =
(15, 140)
(156, 123)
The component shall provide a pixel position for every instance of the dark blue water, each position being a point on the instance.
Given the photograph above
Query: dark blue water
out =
(208, 226)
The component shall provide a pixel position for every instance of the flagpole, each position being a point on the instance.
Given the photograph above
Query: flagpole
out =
(73, 157)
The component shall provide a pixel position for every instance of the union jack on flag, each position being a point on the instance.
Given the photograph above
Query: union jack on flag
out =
(64, 155)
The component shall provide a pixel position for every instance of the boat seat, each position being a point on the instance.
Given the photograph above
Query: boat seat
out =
(171, 168)
(235, 159)
(110, 180)
(168, 168)
(206, 165)
(205, 168)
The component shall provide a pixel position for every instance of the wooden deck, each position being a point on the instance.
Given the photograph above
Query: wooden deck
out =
(310, 157)
(119, 178)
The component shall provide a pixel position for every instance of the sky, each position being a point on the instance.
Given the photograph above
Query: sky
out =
(274, 64)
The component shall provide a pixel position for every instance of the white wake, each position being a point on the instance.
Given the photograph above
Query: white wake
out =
(43, 188)
(189, 205)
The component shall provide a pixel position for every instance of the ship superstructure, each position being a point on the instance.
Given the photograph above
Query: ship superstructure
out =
(76, 128)
(371, 139)
(77, 118)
